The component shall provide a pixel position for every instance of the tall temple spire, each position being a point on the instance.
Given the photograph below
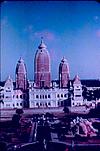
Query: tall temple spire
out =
(42, 66)
(21, 75)
(63, 73)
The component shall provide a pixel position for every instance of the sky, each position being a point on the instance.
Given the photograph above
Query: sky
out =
(69, 29)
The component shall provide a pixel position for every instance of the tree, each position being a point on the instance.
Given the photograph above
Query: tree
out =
(19, 111)
(84, 93)
(66, 110)
(97, 94)
(16, 118)
(95, 112)
(3, 146)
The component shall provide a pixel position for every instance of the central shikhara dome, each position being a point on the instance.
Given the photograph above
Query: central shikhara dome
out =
(42, 71)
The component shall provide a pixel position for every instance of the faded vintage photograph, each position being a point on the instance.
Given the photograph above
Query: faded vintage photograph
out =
(50, 76)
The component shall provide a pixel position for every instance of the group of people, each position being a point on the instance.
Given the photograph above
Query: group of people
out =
(20, 124)
(43, 131)
(83, 127)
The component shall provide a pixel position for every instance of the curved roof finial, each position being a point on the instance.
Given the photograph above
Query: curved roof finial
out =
(21, 59)
(64, 60)
(63, 57)
(41, 40)
(42, 45)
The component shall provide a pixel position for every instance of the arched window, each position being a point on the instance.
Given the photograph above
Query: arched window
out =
(17, 104)
(65, 95)
(49, 103)
(45, 96)
(62, 95)
(37, 104)
(58, 96)
(20, 104)
(37, 96)
(7, 96)
(2, 96)
(21, 96)
(40, 97)
(48, 95)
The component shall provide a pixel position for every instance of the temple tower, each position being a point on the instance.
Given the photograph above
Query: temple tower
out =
(21, 75)
(63, 73)
(42, 73)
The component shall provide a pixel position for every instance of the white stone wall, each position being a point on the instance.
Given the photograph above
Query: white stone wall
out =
(11, 98)
(92, 88)
(42, 98)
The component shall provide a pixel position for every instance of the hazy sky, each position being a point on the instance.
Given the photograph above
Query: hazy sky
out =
(70, 29)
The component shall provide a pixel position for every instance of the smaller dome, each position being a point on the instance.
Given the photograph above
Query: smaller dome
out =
(9, 82)
(76, 77)
(21, 66)
(9, 79)
(77, 80)
(64, 66)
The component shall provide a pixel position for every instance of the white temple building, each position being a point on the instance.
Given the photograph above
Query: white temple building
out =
(43, 92)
